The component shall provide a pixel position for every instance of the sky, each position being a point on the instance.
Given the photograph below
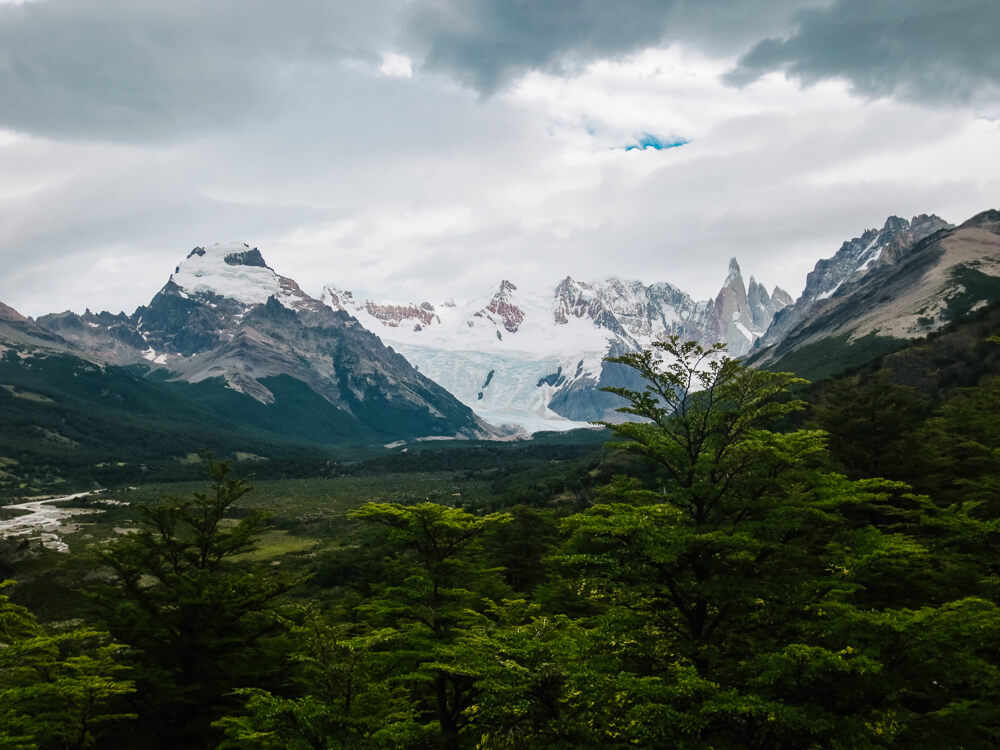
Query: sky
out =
(415, 150)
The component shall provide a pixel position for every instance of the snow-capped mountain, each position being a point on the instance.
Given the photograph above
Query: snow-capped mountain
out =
(535, 359)
(901, 282)
(225, 316)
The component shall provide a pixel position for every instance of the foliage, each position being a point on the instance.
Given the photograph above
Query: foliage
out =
(435, 581)
(57, 689)
(200, 623)
(872, 425)
(742, 575)
(347, 700)
(709, 581)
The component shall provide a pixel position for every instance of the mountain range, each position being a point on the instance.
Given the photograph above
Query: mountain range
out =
(228, 347)
(535, 360)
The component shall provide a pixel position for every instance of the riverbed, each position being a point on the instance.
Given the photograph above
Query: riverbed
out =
(43, 521)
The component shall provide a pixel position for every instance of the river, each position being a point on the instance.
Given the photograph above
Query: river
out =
(43, 521)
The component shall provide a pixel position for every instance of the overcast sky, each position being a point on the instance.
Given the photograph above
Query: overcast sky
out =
(426, 149)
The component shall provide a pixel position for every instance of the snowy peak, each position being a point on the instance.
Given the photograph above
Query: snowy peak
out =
(628, 312)
(338, 299)
(502, 308)
(578, 300)
(233, 270)
(625, 308)
(237, 272)
(226, 316)
(407, 316)
(572, 299)
(646, 313)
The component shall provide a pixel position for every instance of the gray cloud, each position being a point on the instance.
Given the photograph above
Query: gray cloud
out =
(171, 123)
(920, 50)
(487, 43)
(169, 70)
(164, 69)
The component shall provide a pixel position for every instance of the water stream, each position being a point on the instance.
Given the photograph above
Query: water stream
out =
(43, 521)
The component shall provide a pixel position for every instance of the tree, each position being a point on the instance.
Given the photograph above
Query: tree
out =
(729, 582)
(342, 694)
(730, 507)
(57, 689)
(872, 425)
(400, 668)
(199, 621)
(435, 581)
(964, 448)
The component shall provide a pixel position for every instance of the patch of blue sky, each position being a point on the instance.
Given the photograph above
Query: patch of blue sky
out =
(655, 142)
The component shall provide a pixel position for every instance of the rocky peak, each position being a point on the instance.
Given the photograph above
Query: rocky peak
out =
(409, 315)
(501, 309)
(780, 298)
(895, 224)
(734, 273)
(986, 219)
(396, 315)
(874, 248)
(731, 319)
(10, 314)
(249, 257)
(760, 304)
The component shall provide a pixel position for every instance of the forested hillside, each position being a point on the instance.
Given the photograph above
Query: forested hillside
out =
(758, 563)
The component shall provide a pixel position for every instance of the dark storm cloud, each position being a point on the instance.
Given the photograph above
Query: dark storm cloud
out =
(488, 43)
(164, 69)
(920, 50)
(167, 70)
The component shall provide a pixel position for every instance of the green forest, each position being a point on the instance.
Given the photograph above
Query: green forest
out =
(755, 562)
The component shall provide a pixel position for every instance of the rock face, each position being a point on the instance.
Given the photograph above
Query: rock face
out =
(502, 310)
(225, 316)
(535, 360)
(873, 250)
(17, 329)
(901, 282)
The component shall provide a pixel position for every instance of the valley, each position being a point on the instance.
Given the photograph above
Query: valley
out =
(499, 375)
(359, 546)
(540, 555)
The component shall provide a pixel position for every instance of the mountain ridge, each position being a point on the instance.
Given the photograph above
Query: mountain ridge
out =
(537, 359)
(224, 316)
(927, 279)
